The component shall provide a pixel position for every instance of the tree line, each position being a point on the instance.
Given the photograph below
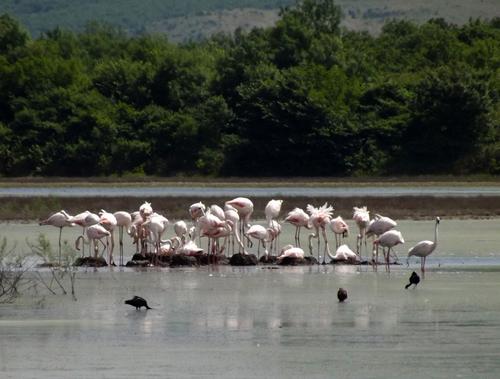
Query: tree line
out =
(301, 98)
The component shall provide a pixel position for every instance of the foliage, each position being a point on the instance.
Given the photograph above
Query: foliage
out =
(301, 98)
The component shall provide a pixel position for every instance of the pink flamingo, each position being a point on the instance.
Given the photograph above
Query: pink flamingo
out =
(344, 253)
(84, 219)
(262, 234)
(94, 233)
(388, 240)
(244, 207)
(424, 248)
(272, 210)
(289, 251)
(59, 220)
(319, 218)
(123, 221)
(340, 229)
(361, 217)
(108, 221)
(299, 219)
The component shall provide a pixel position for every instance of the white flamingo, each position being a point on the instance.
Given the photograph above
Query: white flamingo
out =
(424, 248)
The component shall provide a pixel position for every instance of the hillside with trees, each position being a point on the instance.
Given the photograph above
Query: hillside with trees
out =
(304, 97)
(192, 20)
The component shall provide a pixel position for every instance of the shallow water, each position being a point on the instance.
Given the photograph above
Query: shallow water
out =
(473, 242)
(228, 322)
(258, 323)
(175, 191)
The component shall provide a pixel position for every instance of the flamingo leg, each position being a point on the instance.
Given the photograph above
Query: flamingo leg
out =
(60, 233)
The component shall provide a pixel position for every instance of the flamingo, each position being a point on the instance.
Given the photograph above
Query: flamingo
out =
(361, 217)
(319, 218)
(231, 214)
(181, 230)
(156, 225)
(298, 218)
(289, 251)
(60, 220)
(339, 228)
(108, 221)
(94, 233)
(388, 239)
(123, 221)
(275, 230)
(84, 219)
(190, 248)
(262, 234)
(136, 231)
(170, 246)
(273, 209)
(244, 207)
(344, 253)
(145, 210)
(424, 248)
(222, 231)
(196, 211)
(378, 226)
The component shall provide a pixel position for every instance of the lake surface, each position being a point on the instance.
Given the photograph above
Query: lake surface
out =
(231, 322)
(257, 323)
(175, 191)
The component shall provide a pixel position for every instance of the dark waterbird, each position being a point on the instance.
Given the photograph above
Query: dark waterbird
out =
(414, 279)
(138, 302)
(341, 295)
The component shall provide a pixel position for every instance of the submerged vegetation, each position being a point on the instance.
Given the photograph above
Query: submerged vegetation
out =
(301, 98)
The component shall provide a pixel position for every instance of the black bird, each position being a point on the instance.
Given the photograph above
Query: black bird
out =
(138, 302)
(414, 279)
(341, 295)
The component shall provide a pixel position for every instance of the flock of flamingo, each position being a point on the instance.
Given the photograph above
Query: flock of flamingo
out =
(231, 224)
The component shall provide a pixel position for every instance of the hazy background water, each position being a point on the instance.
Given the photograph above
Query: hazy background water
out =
(228, 191)
(256, 322)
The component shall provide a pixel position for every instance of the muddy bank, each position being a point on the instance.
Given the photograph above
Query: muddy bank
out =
(404, 207)
(399, 207)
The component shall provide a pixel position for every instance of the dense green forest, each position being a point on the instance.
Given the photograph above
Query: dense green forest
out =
(301, 98)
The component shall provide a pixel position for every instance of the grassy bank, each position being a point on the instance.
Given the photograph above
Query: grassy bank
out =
(401, 207)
